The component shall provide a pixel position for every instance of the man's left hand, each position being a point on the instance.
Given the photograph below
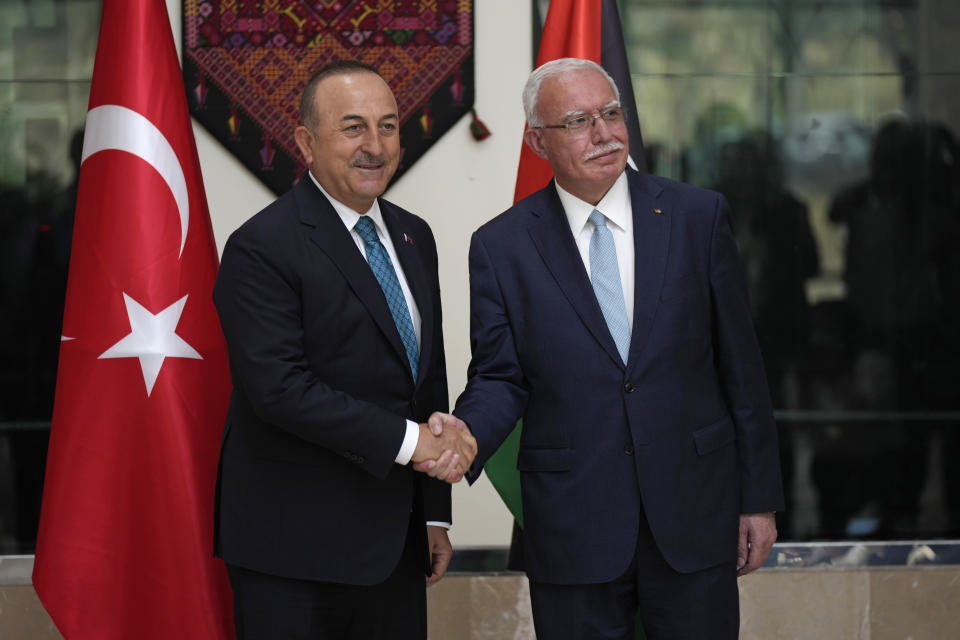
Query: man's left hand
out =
(441, 551)
(758, 532)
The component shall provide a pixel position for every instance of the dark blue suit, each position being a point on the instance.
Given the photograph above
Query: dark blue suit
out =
(683, 433)
(308, 486)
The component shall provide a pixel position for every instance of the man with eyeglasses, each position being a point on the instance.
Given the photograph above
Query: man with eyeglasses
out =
(609, 311)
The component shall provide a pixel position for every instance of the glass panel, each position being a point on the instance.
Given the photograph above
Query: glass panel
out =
(46, 61)
(831, 127)
(737, 41)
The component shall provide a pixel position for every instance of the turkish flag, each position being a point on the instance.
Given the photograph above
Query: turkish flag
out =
(125, 546)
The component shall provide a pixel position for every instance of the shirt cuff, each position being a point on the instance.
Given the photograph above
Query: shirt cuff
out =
(409, 444)
(437, 523)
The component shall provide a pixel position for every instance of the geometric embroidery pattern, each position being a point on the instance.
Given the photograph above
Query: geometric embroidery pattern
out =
(245, 63)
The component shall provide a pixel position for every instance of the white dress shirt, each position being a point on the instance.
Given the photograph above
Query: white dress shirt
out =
(618, 209)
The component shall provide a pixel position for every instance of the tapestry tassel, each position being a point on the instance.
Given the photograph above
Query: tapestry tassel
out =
(478, 128)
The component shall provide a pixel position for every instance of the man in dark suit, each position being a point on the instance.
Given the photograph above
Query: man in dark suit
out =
(330, 304)
(609, 311)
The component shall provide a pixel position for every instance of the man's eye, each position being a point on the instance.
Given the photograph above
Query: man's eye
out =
(353, 128)
(388, 126)
(610, 114)
(578, 122)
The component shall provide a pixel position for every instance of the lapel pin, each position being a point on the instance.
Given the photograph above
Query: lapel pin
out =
(658, 212)
(407, 238)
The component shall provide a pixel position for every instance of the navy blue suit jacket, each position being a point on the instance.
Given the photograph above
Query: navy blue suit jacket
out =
(684, 431)
(308, 487)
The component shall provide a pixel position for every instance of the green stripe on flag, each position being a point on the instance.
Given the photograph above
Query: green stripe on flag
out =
(502, 470)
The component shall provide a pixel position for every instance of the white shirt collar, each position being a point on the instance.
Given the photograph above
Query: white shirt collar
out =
(615, 205)
(348, 215)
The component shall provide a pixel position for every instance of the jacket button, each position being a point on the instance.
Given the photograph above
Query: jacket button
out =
(628, 449)
(629, 387)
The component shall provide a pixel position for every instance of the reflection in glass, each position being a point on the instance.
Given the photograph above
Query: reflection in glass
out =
(46, 61)
(831, 127)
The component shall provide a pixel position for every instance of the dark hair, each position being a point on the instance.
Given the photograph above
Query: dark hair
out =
(333, 69)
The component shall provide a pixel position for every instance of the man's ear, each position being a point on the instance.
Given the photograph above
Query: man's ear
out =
(302, 136)
(534, 140)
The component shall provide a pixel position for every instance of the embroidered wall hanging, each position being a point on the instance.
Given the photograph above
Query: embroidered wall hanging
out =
(245, 63)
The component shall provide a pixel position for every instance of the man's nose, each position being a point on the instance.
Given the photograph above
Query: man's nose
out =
(600, 129)
(372, 142)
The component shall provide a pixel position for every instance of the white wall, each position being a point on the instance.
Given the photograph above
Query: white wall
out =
(458, 185)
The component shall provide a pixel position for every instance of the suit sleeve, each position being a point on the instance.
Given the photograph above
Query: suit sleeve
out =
(436, 493)
(257, 295)
(496, 394)
(741, 371)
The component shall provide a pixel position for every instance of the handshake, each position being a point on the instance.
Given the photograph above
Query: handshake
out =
(445, 449)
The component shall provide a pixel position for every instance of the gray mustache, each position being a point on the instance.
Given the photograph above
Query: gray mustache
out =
(607, 148)
(366, 159)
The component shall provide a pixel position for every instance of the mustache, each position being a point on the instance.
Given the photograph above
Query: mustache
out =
(613, 145)
(367, 159)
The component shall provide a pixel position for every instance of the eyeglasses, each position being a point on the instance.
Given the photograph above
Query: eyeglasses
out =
(611, 115)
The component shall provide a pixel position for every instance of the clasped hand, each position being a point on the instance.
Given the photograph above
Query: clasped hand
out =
(445, 449)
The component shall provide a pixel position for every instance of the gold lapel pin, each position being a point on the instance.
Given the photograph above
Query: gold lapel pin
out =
(658, 212)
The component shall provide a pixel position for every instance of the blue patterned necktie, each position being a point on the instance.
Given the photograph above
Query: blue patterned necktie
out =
(605, 275)
(386, 275)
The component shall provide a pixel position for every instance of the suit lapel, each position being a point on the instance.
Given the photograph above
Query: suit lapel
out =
(554, 242)
(651, 239)
(408, 253)
(333, 238)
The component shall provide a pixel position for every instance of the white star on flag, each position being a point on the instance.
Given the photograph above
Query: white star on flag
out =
(152, 338)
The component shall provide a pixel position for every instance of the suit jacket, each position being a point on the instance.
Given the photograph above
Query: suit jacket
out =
(684, 431)
(308, 487)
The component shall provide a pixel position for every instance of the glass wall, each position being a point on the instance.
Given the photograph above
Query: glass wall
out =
(46, 62)
(831, 126)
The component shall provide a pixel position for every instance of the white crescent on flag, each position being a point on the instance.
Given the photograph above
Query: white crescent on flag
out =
(111, 126)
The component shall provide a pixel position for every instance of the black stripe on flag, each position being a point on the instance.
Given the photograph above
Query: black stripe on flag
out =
(613, 57)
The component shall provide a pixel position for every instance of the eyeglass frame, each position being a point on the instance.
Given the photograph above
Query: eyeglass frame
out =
(593, 119)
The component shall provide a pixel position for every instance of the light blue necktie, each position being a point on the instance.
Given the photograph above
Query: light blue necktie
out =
(386, 275)
(605, 275)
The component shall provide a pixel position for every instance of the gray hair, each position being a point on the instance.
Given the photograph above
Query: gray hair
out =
(531, 90)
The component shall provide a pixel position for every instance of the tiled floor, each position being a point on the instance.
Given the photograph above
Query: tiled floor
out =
(778, 604)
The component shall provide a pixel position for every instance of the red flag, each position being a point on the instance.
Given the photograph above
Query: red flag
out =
(571, 30)
(590, 30)
(125, 547)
